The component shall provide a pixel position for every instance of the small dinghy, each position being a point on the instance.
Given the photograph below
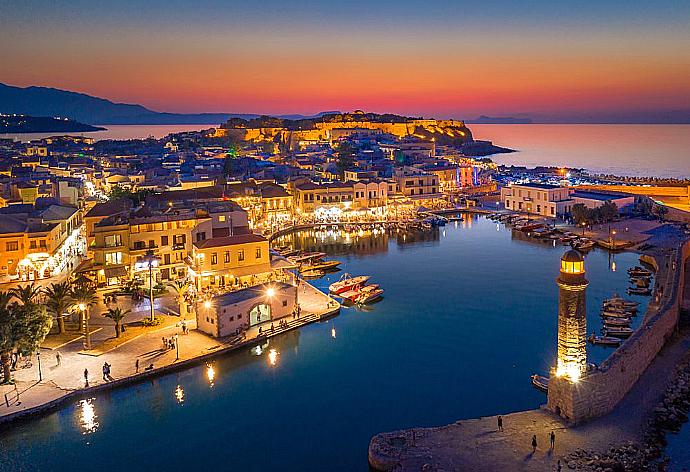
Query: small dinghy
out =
(540, 382)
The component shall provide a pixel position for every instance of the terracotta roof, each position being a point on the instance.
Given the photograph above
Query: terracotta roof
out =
(230, 240)
(110, 207)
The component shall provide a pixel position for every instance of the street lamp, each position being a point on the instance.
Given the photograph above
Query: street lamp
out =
(83, 308)
(151, 261)
(40, 373)
(177, 347)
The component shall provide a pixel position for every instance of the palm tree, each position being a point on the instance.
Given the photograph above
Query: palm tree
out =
(84, 296)
(59, 302)
(117, 315)
(27, 294)
(181, 288)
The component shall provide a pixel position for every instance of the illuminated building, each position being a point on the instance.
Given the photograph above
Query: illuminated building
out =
(229, 261)
(234, 312)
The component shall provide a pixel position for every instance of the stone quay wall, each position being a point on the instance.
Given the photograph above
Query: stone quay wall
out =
(601, 389)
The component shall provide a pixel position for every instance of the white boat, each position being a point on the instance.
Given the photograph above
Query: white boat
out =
(319, 265)
(307, 257)
(347, 282)
(540, 382)
(368, 294)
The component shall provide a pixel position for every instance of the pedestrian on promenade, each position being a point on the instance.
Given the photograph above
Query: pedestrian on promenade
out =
(552, 438)
(105, 371)
(136, 366)
(57, 357)
(86, 377)
(534, 443)
(500, 423)
(559, 467)
(165, 345)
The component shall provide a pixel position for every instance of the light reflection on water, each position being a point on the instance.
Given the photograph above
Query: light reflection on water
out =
(88, 420)
(473, 307)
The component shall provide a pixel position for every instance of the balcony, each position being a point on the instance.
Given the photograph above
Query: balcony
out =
(142, 249)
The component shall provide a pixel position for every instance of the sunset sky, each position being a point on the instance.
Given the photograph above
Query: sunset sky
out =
(432, 58)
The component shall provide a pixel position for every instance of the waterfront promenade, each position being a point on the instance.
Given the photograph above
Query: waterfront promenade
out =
(66, 381)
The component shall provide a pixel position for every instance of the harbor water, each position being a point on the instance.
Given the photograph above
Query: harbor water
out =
(469, 313)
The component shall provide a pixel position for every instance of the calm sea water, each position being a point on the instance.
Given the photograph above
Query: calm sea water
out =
(637, 150)
(640, 150)
(469, 314)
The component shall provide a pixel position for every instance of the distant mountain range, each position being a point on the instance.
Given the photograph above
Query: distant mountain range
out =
(500, 120)
(45, 101)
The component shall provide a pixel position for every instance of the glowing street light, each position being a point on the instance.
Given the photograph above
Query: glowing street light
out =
(207, 304)
(270, 292)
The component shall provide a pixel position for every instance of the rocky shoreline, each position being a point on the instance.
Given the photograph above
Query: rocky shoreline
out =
(668, 416)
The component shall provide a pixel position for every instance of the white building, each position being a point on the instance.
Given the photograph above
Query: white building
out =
(554, 200)
(234, 312)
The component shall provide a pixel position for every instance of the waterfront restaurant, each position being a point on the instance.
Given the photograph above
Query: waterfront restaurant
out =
(234, 312)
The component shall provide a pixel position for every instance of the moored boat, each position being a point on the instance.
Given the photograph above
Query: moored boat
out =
(618, 331)
(347, 282)
(605, 340)
(368, 294)
(540, 382)
(639, 291)
(617, 322)
(319, 265)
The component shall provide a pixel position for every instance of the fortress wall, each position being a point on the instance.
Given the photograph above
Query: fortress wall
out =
(600, 391)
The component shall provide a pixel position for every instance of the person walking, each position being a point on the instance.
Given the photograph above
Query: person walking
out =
(500, 423)
(136, 366)
(552, 438)
(57, 357)
(105, 371)
(86, 377)
(534, 443)
(559, 467)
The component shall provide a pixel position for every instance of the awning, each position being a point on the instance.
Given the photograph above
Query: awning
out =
(85, 266)
(282, 263)
(118, 271)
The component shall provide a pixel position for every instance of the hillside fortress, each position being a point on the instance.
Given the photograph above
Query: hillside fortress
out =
(331, 127)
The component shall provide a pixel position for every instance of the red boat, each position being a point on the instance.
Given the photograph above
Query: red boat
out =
(347, 283)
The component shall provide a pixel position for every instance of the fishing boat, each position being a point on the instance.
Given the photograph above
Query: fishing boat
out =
(347, 282)
(620, 301)
(638, 271)
(307, 257)
(313, 274)
(605, 340)
(618, 331)
(368, 294)
(527, 227)
(540, 382)
(617, 322)
(319, 265)
(639, 291)
(583, 244)
(616, 314)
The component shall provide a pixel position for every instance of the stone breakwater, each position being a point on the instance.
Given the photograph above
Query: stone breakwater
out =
(668, 416)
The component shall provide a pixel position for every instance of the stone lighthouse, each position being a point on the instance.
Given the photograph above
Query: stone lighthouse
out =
(571, 365)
